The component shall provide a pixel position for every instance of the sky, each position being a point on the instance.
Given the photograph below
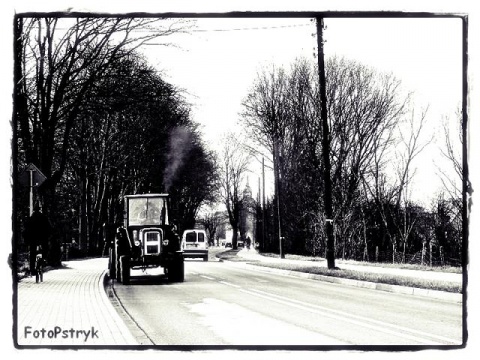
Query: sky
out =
(217, 63)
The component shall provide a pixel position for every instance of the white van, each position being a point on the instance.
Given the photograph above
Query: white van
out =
(195, 244)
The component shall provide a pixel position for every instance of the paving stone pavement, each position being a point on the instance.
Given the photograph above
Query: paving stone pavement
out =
(69, 308)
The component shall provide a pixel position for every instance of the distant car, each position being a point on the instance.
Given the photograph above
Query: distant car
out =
(194, 244)
(228, 245)
(240, 244)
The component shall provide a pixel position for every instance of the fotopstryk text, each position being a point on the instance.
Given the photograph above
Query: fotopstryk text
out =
(58, 332)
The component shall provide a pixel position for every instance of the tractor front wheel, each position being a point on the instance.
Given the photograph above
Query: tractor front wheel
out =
(112, 264)
(176, 270)
(125, 269)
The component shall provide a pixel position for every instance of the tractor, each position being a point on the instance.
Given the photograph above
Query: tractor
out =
(147, 239)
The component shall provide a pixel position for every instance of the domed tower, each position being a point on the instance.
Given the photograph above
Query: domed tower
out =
(247, 192)
(247, 218)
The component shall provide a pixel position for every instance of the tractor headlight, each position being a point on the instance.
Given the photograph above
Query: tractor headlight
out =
(165, 242)
(137, 243)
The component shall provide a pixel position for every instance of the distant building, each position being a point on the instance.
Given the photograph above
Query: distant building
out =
(247, 225)
(247, 215)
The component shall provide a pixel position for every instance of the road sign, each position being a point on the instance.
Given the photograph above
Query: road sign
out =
(37, 176)
(32, 177)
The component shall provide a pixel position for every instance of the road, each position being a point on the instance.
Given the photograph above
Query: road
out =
(223, 304)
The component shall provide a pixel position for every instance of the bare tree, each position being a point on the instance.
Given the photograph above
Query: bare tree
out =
(267, 118)
(412, 147)
(450, 200)
(452, 152)
(211, 222)
(233, 167)
(277, 114)
(391, 194)
(61, 59)
(364, 108)
(265, 113)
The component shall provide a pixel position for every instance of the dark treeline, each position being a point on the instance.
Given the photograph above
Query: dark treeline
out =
(100, 123)
(375, 136)
(434, 240)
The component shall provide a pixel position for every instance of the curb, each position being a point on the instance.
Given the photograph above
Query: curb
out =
(397, 289)
(141, 338)
(114, 315)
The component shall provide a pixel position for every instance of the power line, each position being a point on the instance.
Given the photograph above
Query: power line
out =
(233, 29)
(251, 28)
(139, 30)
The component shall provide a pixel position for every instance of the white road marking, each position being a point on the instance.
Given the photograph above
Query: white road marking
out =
(376, 325)
(207, 277)
(230, 284)
(362, 321)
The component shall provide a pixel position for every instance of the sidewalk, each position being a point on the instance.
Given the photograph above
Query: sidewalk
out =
(69, 308)
(418, 274)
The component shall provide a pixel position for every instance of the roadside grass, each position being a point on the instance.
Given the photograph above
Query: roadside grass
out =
(231, 255)
(375, 278)
(446, 269)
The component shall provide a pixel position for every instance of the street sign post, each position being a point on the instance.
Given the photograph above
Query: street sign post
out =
(32, 177)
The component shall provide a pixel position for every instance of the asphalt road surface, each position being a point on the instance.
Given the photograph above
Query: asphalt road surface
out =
(223, 304)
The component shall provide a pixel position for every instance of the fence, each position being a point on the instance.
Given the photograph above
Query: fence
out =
(426, 258)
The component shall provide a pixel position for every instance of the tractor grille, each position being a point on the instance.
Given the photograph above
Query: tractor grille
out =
(152, 249)
(153, 236)
(153, 239)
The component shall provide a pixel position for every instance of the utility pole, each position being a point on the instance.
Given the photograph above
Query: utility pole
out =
(263, 204)
(276, 165)
(30, 190)
(325, 149)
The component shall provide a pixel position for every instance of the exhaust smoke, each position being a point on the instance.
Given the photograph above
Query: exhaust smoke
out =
(179, 146)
